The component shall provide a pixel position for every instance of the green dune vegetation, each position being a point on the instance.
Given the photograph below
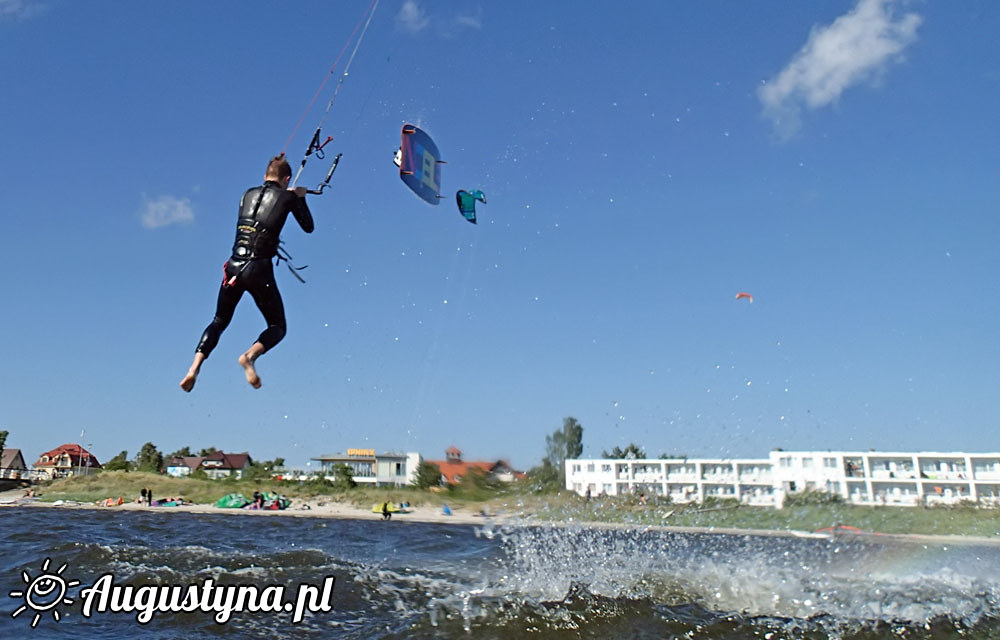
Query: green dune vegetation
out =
(804, 512)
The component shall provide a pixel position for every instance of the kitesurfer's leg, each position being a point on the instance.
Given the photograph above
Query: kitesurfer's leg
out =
(187, 383)
(265, 294)
(225, 306)
(247, 360)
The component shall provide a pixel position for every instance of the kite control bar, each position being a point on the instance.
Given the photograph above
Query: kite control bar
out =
(315, 147)
(329, 174)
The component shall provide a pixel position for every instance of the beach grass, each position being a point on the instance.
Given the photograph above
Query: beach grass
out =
(962, 520)
(561, 506)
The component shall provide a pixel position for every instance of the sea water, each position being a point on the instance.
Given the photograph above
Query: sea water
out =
(399, 579)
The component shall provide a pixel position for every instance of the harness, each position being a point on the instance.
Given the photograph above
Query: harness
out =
(250, 231)
(254, 234)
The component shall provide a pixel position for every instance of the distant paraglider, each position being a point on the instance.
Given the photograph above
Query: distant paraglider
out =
(467, 203)
(744, 294)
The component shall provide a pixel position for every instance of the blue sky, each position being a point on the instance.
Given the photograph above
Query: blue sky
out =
(642, 164)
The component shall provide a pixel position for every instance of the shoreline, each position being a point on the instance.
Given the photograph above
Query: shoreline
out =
(316, 509)
(459, 516)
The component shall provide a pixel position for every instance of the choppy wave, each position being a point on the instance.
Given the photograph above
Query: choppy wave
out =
(404, 580)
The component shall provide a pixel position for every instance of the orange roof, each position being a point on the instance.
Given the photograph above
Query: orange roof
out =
(452, 469)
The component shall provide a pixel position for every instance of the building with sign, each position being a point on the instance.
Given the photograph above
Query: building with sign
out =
(375, 469)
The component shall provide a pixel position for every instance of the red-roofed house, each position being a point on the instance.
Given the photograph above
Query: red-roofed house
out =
(453, 468)
(66, 460)
(221, 465)
(12, 464)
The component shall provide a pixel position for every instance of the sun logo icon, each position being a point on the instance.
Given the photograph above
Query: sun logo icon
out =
(44, 593)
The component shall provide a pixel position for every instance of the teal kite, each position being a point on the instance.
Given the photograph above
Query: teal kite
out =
(467, 203)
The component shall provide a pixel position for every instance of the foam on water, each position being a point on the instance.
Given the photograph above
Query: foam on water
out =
(749, 575)
(404, 580)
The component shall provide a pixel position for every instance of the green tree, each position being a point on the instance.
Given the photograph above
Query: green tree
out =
(264, 468)
(428, 475)
(343, 477)
(118, 463)
(544, 478)
(257, 471)
(208, 451)
(3, 439)
(480, 479)
(631, 452)
(183, 452)
(564, 444)
(149, 459)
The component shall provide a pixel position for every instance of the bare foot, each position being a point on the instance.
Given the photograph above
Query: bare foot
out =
(247, 363)
(188, 382)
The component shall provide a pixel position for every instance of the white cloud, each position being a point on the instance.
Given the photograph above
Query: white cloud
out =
(165, 210)
(474, 22)
(411, 17)
(856, 47)
(17, 9)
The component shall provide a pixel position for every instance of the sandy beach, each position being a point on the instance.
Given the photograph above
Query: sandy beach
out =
(317, 508)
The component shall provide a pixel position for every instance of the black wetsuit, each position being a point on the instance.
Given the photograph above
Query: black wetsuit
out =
(263, 211)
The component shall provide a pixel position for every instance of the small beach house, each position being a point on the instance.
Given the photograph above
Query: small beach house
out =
(12, 465)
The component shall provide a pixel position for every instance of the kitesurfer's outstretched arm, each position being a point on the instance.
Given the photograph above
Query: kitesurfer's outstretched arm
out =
(301, 210)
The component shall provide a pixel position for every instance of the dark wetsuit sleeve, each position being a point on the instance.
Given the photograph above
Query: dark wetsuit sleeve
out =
(302, 214)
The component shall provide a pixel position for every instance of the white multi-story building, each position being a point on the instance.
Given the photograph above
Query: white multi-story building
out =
(869, 478)
(370, 468)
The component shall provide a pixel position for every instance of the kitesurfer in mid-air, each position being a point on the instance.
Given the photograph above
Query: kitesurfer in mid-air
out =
(263, 211)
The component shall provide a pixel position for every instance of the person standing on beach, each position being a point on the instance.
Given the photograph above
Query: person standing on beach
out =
(262, 214)
(142, 496)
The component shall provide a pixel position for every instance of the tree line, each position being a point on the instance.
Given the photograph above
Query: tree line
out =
(151, 460)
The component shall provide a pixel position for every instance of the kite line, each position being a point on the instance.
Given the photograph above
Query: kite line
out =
(315, 145)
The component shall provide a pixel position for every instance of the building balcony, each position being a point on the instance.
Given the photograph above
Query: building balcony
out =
(719, 478)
